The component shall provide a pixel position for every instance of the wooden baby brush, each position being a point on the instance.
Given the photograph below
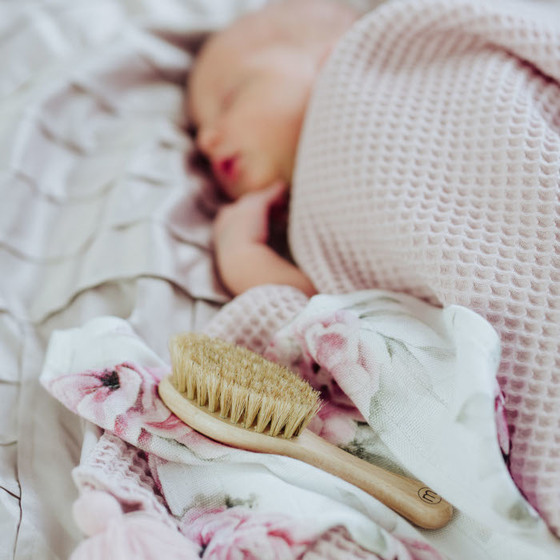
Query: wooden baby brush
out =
(239, 398)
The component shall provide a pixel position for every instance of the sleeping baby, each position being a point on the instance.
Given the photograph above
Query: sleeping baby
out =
(420, 146)
(248, 93)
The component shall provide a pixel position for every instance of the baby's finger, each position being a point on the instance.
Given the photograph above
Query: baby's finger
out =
(277, 190)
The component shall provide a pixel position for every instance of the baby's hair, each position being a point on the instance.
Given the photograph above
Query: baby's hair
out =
(313, 23)
(295, 22)
(310, 20)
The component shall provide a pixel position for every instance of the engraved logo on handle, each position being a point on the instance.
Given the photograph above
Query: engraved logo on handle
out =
(429, 496)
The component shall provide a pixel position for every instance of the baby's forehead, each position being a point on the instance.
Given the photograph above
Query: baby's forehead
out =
(226, 53)
(242, 38)
(219, 59)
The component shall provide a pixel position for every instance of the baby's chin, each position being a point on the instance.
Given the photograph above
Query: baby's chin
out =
(248, 184)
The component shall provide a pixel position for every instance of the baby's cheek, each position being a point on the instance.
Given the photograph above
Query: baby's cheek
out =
(263, 174)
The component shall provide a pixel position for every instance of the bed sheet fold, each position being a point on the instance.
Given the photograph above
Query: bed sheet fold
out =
(101, 213)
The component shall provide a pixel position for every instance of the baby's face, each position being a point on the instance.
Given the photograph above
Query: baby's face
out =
(247, 105)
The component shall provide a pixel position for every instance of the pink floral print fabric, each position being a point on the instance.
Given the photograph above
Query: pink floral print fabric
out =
(401, 380)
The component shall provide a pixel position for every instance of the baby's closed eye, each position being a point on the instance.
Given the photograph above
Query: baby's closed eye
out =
(233, 93)
(229, 97)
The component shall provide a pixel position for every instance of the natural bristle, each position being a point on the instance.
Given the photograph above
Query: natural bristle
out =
(241, 385)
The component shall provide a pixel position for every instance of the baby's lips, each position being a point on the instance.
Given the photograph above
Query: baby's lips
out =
(226, 168)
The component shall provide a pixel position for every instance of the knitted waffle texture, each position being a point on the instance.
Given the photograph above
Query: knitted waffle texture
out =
(253, 318)
(122, 470)
(430, 164)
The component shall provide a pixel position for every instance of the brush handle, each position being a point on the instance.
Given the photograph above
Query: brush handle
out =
(408, 497)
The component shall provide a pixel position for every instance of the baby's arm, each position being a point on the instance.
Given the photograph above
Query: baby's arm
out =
(244, 259)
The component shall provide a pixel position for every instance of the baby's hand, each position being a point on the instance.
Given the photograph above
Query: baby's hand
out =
(245, 221)
(243, 258)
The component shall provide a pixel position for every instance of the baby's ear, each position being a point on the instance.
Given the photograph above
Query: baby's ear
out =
(324, 55)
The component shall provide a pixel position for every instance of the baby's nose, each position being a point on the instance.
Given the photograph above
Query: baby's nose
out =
(207, 140)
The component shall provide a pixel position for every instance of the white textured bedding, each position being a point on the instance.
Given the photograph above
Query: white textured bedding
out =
(99, 214)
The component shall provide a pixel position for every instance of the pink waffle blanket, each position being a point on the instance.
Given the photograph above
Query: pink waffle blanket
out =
(430, 164)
